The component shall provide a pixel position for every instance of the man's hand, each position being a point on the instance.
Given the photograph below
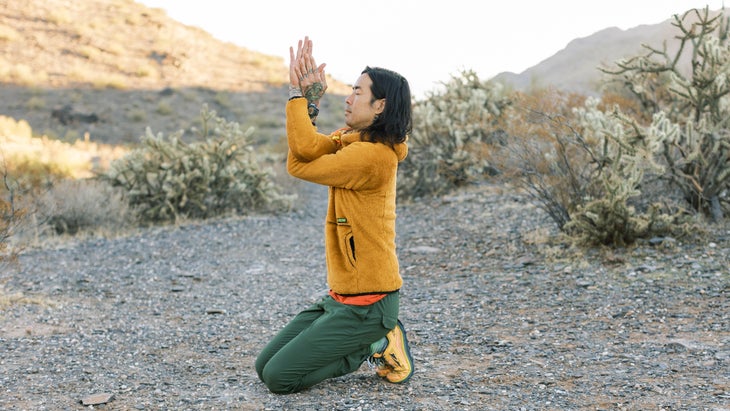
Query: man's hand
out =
(304, 72)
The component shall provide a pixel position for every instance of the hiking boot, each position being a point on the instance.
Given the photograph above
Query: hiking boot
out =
(395, 363)
(381, 367)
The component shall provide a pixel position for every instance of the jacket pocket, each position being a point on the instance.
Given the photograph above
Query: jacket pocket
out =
(344, 232)
(350, 248)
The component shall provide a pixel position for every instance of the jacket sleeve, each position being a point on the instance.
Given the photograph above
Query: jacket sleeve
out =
(305, 143)
(358, 166)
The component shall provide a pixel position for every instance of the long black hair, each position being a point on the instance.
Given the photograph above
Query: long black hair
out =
(393, 125)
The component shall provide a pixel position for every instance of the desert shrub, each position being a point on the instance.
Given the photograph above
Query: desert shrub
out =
(166, 179)
(545, 153)
(592, 174)
(21, 158)
(695, 102)
(11, 215)
(86, 205)
(35, 175)
(452, 133)
(621, 156)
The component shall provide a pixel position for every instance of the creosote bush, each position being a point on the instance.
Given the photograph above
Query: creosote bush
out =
(543, 152)
(167, 179)
(73, 206)
(11, 215)
(452, 133)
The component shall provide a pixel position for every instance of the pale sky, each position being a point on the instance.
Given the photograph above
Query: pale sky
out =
(425, 41)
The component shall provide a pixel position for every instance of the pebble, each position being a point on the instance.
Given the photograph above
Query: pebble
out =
(97, 399)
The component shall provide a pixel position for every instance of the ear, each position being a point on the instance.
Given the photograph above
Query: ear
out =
(379, 105)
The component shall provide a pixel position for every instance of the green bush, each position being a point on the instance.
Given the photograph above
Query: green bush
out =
(167, 179)
(596, 175)
(610, 210)
(452, 133)
(609, 178)
(694, 140)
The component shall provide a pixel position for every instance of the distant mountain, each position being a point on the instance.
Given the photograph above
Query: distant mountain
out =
(576, 67)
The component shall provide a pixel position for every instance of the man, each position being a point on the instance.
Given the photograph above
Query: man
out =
(358, 319)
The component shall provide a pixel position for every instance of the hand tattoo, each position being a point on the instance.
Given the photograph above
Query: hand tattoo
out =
(314, 92)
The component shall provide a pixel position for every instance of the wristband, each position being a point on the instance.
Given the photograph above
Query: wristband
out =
(295, 92)
(313, 110)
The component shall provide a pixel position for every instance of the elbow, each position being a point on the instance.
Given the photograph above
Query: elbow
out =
(303, 155)
(292, 165)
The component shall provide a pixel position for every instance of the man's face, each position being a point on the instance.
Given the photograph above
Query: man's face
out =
(359, 112)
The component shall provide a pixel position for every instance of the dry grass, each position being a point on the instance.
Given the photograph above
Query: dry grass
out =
(49, 183)
(80, 159)
(7, 300)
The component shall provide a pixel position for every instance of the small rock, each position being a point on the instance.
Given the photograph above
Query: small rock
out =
(584, 283)
(424, 249)
(215, 311)
(676, 346)
(96, 399)
(661, 240)
(645, 268)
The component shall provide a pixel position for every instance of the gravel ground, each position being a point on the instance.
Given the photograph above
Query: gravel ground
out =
(500, 315)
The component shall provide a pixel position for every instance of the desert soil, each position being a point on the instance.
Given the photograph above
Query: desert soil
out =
(500, 313)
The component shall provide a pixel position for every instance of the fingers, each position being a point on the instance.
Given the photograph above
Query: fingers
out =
(300, 49)
(302, 65)
(293, 76)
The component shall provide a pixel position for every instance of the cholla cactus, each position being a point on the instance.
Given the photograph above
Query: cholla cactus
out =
(167, 178)
(451, 135)
(696, 148)
(620, 154)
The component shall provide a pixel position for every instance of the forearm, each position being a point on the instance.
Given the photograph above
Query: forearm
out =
(312, 100)
(305, 143)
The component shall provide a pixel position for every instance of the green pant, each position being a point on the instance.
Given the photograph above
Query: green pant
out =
(327, 340)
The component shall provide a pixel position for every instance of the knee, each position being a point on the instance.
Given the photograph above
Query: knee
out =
(259, 365)
(274, 376)
(276, 382)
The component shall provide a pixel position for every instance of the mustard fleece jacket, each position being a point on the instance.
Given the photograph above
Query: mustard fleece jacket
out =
(360, 224)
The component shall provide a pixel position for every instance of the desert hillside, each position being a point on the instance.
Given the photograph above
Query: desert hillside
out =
(110, 68)
(121, 44)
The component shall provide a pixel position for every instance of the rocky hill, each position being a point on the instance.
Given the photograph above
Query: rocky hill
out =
(576, 67)
(110, 68)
